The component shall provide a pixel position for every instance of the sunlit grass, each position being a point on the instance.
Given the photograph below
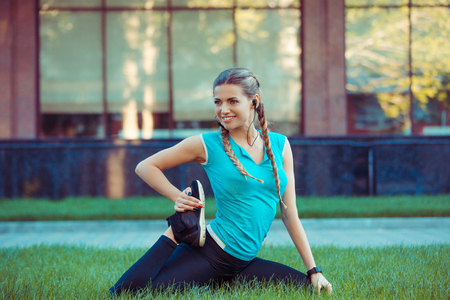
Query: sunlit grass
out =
(68, 272)
(144, 208)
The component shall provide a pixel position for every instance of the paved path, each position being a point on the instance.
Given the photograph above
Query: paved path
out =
(130, 234)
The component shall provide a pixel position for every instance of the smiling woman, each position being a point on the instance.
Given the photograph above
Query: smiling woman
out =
(188, 253)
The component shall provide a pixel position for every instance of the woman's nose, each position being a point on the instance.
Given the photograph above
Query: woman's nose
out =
(225, 108)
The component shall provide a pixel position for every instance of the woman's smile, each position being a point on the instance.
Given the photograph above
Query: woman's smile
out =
(228, 119)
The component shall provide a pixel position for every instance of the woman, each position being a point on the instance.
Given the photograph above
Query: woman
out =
(250, 171)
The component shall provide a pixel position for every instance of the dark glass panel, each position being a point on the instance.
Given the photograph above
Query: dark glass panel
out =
(72, 125)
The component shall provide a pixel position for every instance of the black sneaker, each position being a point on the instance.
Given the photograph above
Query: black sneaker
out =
(189, 227)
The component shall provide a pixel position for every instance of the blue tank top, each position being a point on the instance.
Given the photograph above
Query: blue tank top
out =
(245, 207)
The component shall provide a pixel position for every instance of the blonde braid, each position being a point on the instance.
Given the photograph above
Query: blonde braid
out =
(225, 135)
(266, 139)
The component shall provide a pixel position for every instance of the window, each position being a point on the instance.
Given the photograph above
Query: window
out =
(71, 74)
(398, 62)
(144, 69)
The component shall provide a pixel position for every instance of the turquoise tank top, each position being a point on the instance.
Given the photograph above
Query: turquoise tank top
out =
(245, 207)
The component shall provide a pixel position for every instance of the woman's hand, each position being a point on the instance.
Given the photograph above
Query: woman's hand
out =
(186, 202)
(319, 282)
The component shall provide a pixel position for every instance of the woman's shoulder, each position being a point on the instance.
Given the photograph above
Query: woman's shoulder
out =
(211, 136)
(211, 139)
(278, 141)
(277, 137)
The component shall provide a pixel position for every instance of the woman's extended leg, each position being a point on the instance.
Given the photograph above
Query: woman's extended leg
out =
(269, 271)
(166, 264)
(148, 266)
(198, 265)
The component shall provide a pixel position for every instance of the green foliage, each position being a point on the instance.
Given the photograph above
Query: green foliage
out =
(140, 208)
(67, 272)
(379, 42)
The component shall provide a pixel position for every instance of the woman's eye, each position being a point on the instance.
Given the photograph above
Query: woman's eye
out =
(234, 101)
(216, 102)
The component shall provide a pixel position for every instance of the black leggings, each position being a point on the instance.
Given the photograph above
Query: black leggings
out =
(166, 264)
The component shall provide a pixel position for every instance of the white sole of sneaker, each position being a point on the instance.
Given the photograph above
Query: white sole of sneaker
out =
(202, 222)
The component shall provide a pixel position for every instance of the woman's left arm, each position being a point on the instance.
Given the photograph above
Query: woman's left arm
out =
(293, 224)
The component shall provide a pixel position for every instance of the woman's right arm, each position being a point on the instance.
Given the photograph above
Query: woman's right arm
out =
(150, 170)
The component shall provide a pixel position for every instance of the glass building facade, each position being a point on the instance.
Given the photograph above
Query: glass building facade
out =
(398, 66)
(144, 68)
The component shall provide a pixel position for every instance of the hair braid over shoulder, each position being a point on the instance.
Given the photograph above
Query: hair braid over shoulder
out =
(266, 139)
(225, 135)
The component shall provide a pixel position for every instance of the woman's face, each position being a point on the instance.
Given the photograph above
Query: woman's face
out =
(232, 106)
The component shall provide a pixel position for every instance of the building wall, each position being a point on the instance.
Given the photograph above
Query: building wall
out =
(18, 64)
(324, 96)
(5, 69)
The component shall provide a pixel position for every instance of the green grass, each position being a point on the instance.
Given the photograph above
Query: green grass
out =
(68, 272)
(159, 208)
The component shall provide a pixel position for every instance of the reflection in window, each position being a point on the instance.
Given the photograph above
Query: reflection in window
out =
(202, 3)
(148, 4)
(72, 125)
(377, 70)
(202, 48)
(269, 3)
(46, 4)
(70, 68)
(376, 2)
(137, 70)
(122, 69)
(268, 44)
(430, 2)
(431, 66)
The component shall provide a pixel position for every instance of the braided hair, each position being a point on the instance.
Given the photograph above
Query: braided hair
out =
(250, 85)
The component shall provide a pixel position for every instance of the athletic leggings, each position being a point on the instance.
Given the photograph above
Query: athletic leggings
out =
(166, 264)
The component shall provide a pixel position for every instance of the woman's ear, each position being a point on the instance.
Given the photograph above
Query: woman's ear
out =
(255, 101)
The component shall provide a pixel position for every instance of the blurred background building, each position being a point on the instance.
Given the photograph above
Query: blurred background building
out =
(141, 69)
(88, 88)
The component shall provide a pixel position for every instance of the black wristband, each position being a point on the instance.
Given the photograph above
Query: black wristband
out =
(314, 270)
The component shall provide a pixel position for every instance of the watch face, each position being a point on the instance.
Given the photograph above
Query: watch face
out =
(318, 269)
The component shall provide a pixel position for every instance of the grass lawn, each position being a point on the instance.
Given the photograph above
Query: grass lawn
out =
(142, 208)
(394, 272)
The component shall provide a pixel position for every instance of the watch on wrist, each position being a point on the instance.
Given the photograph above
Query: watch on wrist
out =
(314, 270)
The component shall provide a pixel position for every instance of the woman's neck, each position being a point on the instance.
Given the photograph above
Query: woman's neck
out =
(245, 136)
